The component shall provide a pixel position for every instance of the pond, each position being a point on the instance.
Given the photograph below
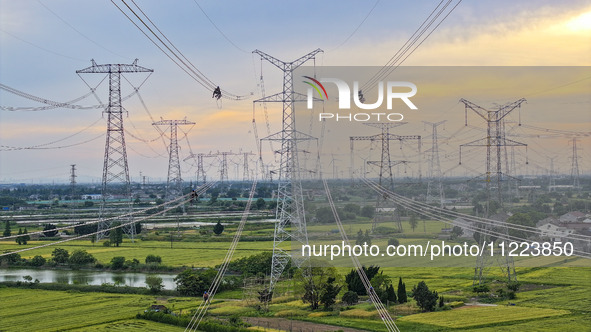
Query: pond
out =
(132, 279)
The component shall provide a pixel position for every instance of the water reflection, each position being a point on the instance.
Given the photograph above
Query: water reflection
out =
(85, 277)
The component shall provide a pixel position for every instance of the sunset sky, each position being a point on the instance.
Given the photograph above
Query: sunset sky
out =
(43, 43)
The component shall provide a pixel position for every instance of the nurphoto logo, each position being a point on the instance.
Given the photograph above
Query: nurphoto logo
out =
(344, 99)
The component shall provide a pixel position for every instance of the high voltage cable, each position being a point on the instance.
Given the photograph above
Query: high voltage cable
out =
(202, 309)
(357, 28)
(179, 58)
(467, 217)
(79, 32)
(219, 30)
(200, 191)
(42, 48)
(382, 311)
(56, 104)
(391, 64)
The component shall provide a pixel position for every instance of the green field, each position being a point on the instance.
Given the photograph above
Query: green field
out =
(39, 310)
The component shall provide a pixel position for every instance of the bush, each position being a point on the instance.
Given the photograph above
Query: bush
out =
(38, 261)
(107, 243)
(117, 262)
(153, 259)
(154, 283)
(350, 298)
(60, 256)
(81, 257)
(393, 242)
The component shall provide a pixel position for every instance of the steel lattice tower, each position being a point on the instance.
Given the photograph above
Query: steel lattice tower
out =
(174, 181)
(291, 223)
(115, 167)
(434, 164)
(385, 164)
(495, 138)
(72, 181)
(574, 171)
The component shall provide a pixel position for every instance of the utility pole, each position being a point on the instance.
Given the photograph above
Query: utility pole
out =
(291, 224)
(115, 167)
(495, 138)
(385, 165)
(434, 173)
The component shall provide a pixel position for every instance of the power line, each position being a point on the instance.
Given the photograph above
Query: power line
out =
(172, 52)
(79, 32)
(219, 30)
(414, 38)
(357, 28)
(42, 48)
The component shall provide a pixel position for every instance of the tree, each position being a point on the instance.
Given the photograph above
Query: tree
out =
(402, 298)
(413, 221)
(153, 259)
(329, 292)
(49, 230)
(426, 299)
(513, 286)
(260, 203)
(441, 303)
(391, 294)
(350, 298)
(116, 235)
(19, 239)
(117, 262)
(456, 232)
(7, 231)
(38, 261)
(523, 219)
(25, 237)
(81, 257)
(190, 283)
(380, 284)
(60, 255)
(354, 283)
(218, 228)
(352, 208)
(317, 285)
(481, 289)
(324, 215)
(154, 283)
(363, 238)
(368, 211)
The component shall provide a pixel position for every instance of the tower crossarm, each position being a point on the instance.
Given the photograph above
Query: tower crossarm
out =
(114, 68)
(287, 65)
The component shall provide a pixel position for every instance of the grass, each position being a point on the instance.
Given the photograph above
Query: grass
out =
(182, 254)
(39, 310)
(133, 325)
(478, 316)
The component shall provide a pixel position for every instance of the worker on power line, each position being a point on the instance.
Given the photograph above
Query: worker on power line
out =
(217, 93)
(194, 196)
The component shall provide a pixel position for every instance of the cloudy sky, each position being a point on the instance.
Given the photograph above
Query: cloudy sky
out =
(43, 43)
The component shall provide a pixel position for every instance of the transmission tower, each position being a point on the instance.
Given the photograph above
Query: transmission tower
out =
(174, 181)
(115, 167)
(434, 173)
(552, 180)
(245, 167)
(495, 138)
(385, 165)
(291, 224)
(574, 170)
(72, 181)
